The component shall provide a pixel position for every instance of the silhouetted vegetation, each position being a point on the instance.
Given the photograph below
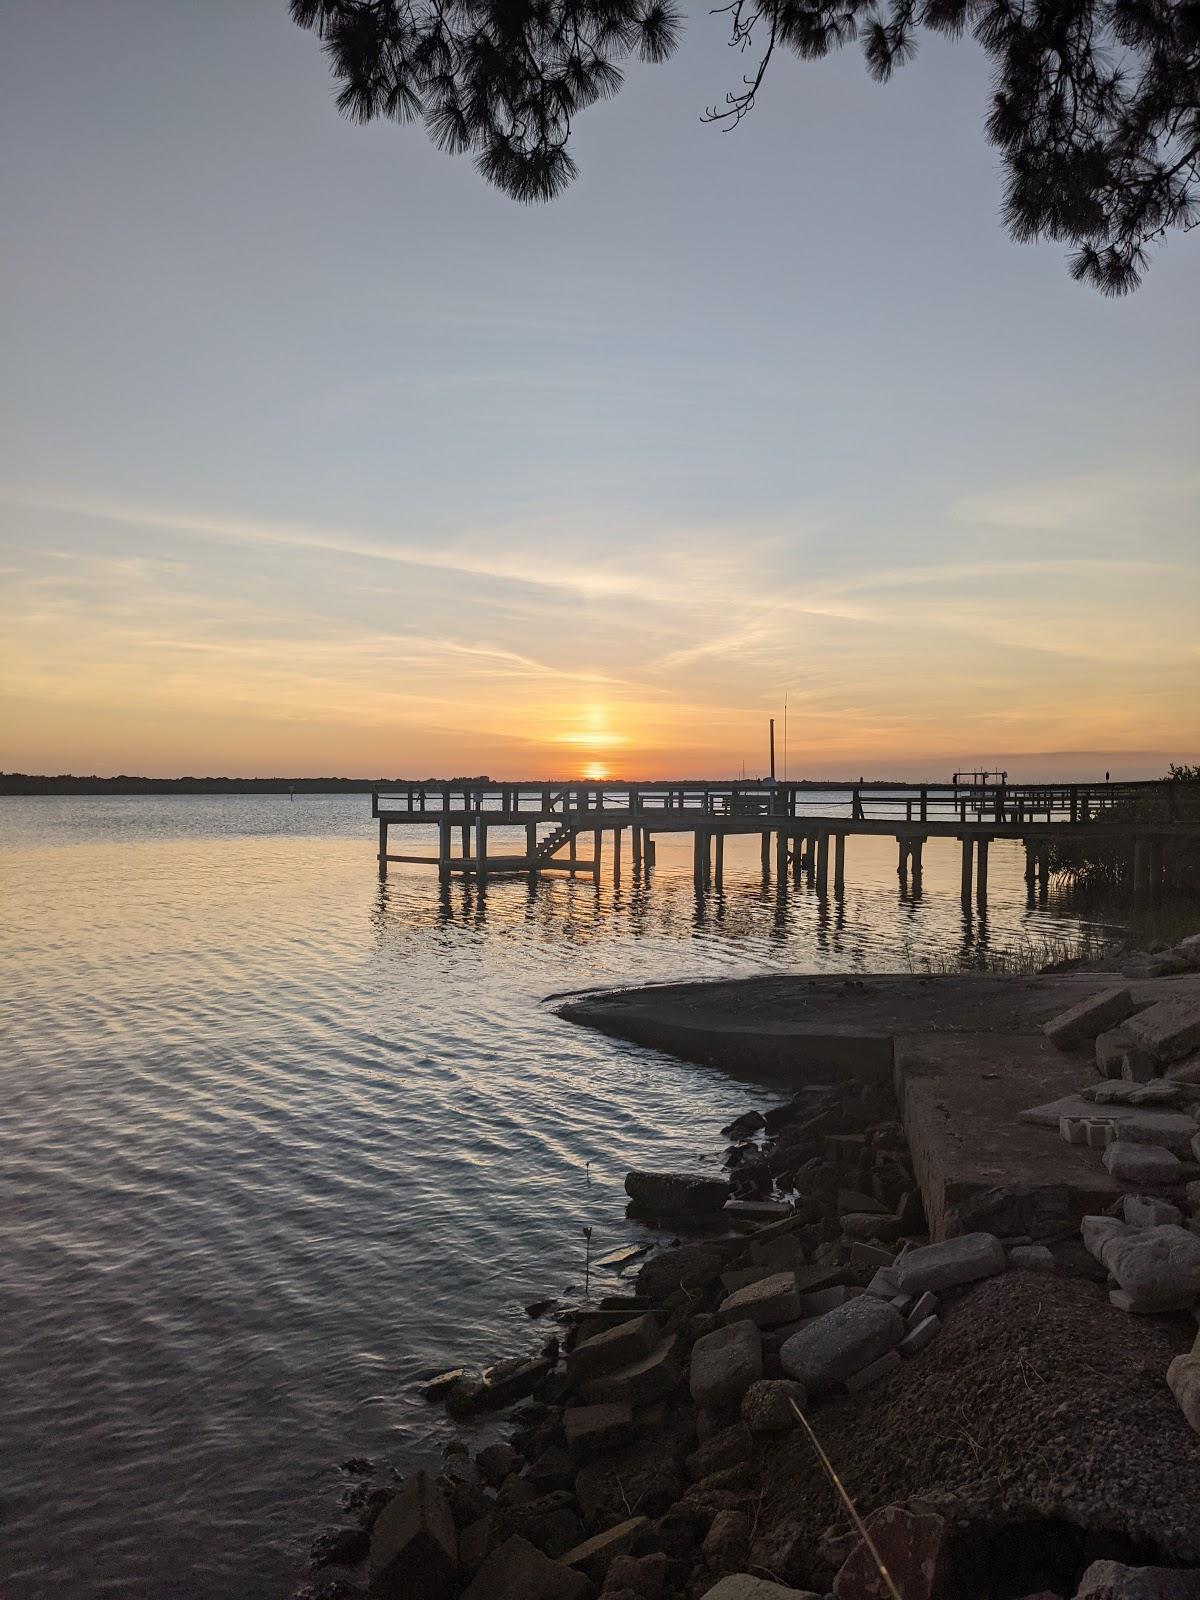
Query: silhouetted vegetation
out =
(1102, 866)
(1095, 104)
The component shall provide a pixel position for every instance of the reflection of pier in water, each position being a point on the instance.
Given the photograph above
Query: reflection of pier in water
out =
(796, 842)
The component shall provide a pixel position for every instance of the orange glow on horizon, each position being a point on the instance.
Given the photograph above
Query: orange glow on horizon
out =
(595, 772)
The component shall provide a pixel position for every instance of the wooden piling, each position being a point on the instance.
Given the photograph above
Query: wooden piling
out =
(981, 871)
(968, 867)
(765, 853)
(839, 863)
(719, 873)
(823, 861)
(617, 832)
(383, 863)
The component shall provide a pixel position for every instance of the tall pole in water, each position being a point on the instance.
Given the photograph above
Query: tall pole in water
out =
(772, 749)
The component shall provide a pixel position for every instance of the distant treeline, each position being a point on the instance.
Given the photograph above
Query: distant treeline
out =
(68, 783)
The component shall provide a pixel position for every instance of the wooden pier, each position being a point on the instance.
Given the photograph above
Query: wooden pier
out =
(803, 827)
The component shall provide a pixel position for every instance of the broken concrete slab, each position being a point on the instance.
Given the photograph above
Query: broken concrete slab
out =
(591, 1430)
(1170, 1029)
(919, 1335)
(1160, 1092)
(767, 1302)
(1173, 1130)
(758, 1210)
(414, 1545)
(925, 1306)
(518, 1570)
(594, 1555)
(978, 1164)
(1143, 1211)
(952, 1261)
(1142, 1163)
(677, 1193)
(742, 1586)
(1096, 1014)
(615, 1347)
(841, 1342)
(1149, 1123)
(725, 1363)
(1158, 1268)
(655, 1374)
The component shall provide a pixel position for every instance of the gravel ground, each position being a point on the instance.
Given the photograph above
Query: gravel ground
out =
(1036, 1400)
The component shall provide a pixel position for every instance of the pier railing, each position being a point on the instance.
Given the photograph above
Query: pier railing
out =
(1002, 803)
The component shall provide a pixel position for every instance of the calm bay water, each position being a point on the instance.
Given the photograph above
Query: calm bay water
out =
(277, 1140)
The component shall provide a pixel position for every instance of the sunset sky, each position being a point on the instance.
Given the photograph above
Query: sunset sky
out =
(320, 456)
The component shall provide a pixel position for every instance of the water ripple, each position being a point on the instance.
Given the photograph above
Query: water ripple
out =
(276, 1140)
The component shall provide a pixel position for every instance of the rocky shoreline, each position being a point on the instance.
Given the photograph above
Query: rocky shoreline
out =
(1012, 1415)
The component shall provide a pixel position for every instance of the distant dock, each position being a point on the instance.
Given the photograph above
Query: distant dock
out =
(565, 825)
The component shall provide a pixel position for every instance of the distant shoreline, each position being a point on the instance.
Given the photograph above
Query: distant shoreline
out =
(17, 783)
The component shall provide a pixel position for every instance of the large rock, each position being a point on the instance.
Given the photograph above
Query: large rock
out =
(414, 1545)
(952, 1261)
(1111, 1580)
(1183, 1377)
(724, 1365)
(767, 1302)
(1142, 1163)
(677, 1193)
(591, 1430)
(913, 1547)
(1093, 1016)
(645, 1379)
(841, 1342)
(1173, 1130)
(689, 1266)
(517, 1570)
(1158, 1268)
(618, 1346)
(741, 1586)
(1170, 1030)
(767, 1405)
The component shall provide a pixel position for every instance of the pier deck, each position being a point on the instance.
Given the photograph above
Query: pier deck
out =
(803, 826)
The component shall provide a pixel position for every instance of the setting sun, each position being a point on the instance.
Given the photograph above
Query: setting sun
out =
(595, 772)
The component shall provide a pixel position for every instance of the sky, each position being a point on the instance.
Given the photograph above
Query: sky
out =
(317, 455)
